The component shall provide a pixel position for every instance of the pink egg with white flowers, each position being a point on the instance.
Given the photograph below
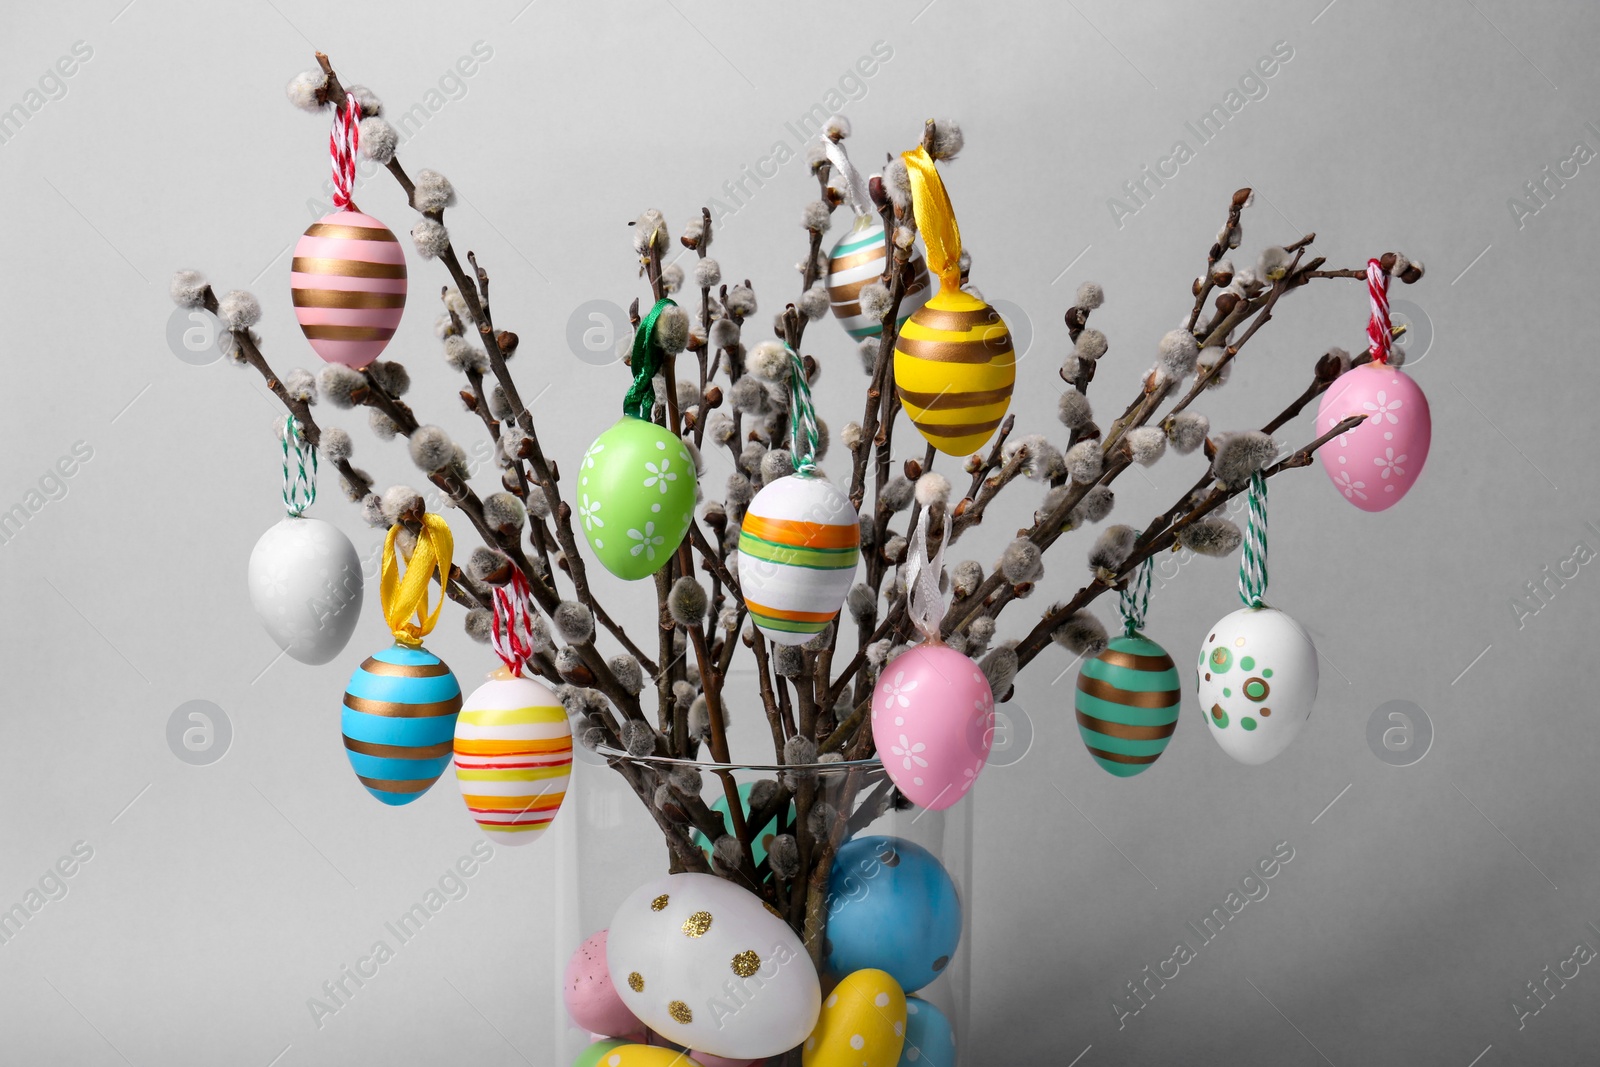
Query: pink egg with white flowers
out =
(1377, 462)
(591, 999)
(933, 722)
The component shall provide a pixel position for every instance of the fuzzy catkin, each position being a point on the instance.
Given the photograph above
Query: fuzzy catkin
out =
(1212, 536)
(379, 140)
(639, 738)
(401, 501)
(1111, 549)
(188, 289)
(574, 622)
(1091, 344)
(503, 511)
(672, 330)
(1240, 455)
(431, 448)
(430, 237)
(478, 623)
(1073, 410)
(1082, 634)
(1146, 444)
(433, 191)
(768, 361)
(687, 602)
(965, 577)
(1187, 431)
(1083, 461)
(1021, 562)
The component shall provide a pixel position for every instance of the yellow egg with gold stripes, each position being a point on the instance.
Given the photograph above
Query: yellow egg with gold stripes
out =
(954, 367)
(798, 547)
(513, 751)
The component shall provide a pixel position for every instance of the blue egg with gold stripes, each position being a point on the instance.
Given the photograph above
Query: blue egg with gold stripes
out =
(399, 722)
(1127, 704)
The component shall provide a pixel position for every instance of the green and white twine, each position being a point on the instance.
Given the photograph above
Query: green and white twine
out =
(299, 488)
(802, 417)
(1136, 599)
(1253, 558)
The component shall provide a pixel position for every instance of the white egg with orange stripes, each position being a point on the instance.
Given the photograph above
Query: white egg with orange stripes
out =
(798, 547)
(513, 755)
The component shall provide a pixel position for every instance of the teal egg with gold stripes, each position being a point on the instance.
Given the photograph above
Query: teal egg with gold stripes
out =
(1127, 704)
(399, 722)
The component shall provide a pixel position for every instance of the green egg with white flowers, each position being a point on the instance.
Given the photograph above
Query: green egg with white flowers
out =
(635, 497)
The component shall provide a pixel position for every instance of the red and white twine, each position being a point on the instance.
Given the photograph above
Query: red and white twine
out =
(511, 631)
(343, 141)
(1379, 331)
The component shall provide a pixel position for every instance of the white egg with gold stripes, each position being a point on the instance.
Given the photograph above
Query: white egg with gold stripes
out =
(859, 259)
(513, 755)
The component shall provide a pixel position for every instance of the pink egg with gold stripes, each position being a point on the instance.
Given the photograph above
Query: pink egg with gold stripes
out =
(349, 284)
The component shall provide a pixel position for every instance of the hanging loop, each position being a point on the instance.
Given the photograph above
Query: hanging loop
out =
(1135, 598)
(511, 630)
(299, 487)
(924, 600)
(1253, 556)
(803, 432)
(406, 596)
(647, 359)
(1380, 333)
(343, 142)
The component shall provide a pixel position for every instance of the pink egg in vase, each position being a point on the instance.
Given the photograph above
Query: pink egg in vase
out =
(1377, 462)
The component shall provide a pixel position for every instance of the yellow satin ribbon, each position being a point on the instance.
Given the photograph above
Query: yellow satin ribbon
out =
(406, 595)
(935, 218)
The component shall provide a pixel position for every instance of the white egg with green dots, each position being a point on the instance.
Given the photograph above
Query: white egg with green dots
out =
(1257, 681)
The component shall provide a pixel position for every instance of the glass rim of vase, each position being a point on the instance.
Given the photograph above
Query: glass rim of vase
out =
(872, 762)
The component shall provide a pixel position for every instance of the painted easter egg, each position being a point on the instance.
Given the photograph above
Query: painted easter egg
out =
(1376, 463)
(798, 547)
(859, 259)
(399, 720)
(513, 752)
(636, 496)
(306, 586)
(348, 280)
(930, 1039)
(892, 906)
(862, 1024)
(707, 965)
(763, 837)
(1127, 704)
(933, 723)
(595, 1054)
(1257, 682)
(624, 1054)
(591, 997)
(954, 367)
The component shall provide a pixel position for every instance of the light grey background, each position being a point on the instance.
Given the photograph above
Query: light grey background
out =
(219, 898)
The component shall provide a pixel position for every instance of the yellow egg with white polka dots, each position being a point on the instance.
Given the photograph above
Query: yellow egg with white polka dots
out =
(637, 1056)
(862, 1024)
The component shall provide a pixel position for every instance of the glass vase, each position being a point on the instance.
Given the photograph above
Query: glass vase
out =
(886, 858)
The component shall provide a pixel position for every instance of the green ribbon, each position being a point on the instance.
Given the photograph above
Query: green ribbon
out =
(299, 489)
(647, 358)
(803, 431)
(1253, 557)
(1136, 599)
